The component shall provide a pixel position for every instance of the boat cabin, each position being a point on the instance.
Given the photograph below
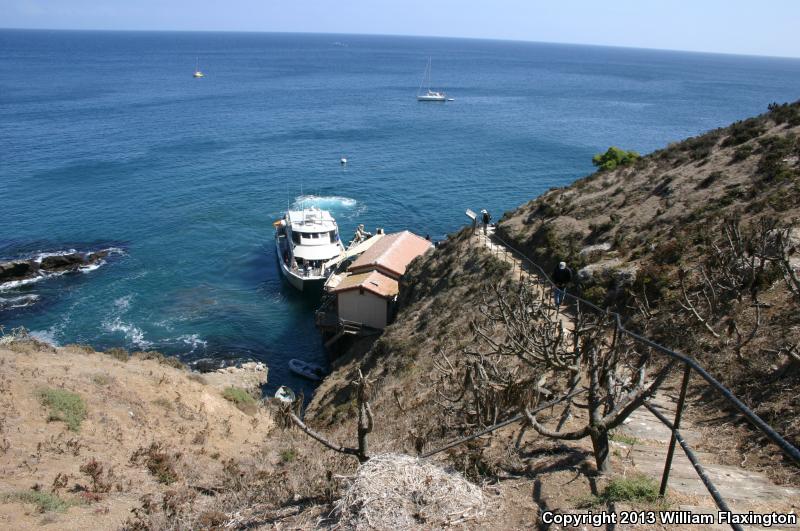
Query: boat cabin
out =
(306, 240)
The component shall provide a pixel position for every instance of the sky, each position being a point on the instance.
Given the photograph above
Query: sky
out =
(768, 27)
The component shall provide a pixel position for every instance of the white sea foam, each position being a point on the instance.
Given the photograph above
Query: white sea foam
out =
(17, 283)
(41, 256)
(38, 257)
(131, 332)
(48, 336)
(9, 303)
(91, 267)
(325, 201)
(50, 274)
(194, 341)
(123, 303)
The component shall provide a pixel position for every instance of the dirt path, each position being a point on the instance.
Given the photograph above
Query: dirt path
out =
(641, 447)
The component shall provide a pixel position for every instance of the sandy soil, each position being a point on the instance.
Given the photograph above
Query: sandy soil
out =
(129, 405)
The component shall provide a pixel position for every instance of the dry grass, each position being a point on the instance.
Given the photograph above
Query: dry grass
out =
(118, 407)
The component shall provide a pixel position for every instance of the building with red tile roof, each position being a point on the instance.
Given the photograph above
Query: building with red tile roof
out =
(366, 293)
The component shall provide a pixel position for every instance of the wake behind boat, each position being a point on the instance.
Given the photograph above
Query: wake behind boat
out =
(306, 240)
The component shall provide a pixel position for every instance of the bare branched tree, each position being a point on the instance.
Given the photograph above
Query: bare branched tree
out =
(526, 349)
(784, 250)
(291, 415)
(722, 292)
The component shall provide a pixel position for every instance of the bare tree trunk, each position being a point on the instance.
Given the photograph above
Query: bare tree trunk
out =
(601, 453)
(365, 420)
(365, 424)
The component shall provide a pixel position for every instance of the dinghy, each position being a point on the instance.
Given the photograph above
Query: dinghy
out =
(284, 394)
(312, 371)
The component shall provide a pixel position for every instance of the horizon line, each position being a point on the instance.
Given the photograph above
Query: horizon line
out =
(447, 37)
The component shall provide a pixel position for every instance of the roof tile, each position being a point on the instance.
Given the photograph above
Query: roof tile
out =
(372, 281)
(392, 253)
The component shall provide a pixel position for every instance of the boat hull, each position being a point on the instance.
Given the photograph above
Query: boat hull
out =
(310, 371)
(300, 283)
(431, 98)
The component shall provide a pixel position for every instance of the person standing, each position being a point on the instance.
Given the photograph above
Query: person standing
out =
(485, 217)
(562, 275)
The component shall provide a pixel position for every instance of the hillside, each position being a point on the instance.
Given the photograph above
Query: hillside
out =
(629, 233)
(88, 437)
(712, 210)
(632, 233)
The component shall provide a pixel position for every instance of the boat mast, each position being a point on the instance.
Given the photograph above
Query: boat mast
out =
(429, 73)
(425, 77)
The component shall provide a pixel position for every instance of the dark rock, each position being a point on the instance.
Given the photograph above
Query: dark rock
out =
(63, 262)
(17, 270)
(60, 263)
(96, 257)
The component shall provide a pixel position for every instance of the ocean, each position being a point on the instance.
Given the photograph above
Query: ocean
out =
(107, 141)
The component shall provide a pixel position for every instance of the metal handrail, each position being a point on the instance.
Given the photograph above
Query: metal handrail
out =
(712, 489)
(790, 450)
(690, 365)
(494, 427)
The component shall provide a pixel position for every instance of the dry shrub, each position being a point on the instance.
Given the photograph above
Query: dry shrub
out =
(246, 493)
(158, 461)
(174, 512)
(197, 377)
(394, 491)
(170, 361)
(118, 353)
(94, 469)
(212, 520)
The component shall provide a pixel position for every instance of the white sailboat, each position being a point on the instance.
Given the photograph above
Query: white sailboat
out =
(430, 95)
(197, 72)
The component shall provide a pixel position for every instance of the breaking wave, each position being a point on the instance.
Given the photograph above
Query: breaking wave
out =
(5, 286)
(132, 333)
(194, 341)
(47, 336)
(9, 303)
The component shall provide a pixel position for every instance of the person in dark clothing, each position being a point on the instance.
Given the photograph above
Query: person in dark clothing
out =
(562, 275)
(485, 217)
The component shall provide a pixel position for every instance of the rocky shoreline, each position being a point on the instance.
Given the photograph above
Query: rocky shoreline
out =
(49, 264)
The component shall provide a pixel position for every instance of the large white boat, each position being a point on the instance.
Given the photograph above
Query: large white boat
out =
(430, 95)
(305, 240)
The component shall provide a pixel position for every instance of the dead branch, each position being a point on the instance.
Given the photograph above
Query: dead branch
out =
(365, 423)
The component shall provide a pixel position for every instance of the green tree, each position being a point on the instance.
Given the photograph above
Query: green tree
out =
(613, 158)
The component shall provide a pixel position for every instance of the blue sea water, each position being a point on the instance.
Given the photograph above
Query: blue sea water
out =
(106, 140)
